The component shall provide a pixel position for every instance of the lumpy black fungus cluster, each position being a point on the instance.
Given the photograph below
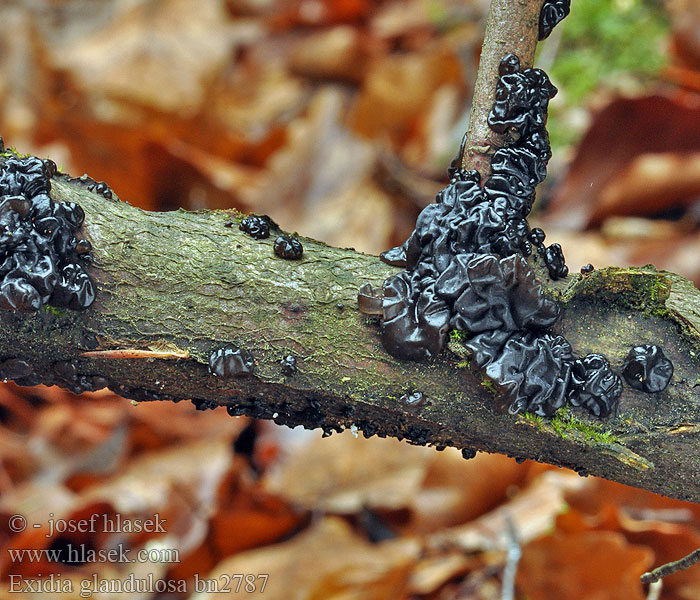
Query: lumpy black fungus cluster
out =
(256, 227)
(231, 361)
(466, 269)
(553, 11)
(42, 259)
(288, 247)
(647, 369)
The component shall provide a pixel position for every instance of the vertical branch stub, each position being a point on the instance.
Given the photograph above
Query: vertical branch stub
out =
(512, 26)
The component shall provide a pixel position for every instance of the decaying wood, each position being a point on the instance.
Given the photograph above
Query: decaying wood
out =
(511, 27)
(173, 287)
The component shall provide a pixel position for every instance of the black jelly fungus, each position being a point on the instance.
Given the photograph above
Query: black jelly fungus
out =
(553, 11)
(256, 227)
(368, 301)
(200, 404)
(235, 410)
(231, 361)
(289, 365)
(465, 269)
(647, 369)
(394, 256)
(41, 259)
(288, 247)
(15, 368)
(413, 399)
(554, 259)
(468, 453)
(589, 268)
(67, 375)
(467, 222)
(594, 385)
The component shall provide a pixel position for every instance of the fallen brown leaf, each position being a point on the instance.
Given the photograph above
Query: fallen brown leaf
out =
(594, 565)
(327, 561)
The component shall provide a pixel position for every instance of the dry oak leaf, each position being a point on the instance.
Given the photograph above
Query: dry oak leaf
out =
(593, 565)
(327, 561)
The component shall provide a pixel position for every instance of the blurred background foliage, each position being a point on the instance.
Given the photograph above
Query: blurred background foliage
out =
(338, 118)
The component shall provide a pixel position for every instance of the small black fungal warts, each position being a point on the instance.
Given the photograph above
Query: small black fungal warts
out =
(98, 187)
(289, 366)
(589, 268)
(203, 405)
(68, 376)
(468, 453)
(368, 301)
(553, 11)
(647, 369)
(413, 400)
(257, 227)
(594, 385)
(42, 261)
(15, 368)
(288, 247)
(466, 269)
(65, 373)
(231, 361)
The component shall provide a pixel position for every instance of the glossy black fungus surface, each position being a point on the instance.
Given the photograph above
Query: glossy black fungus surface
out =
(413, 400)
(554, 259)
(368, 302)
(41, 259)
(465, 269)
(231, 362)
(288, 247)
(99, 187)
(647, 369)
(289, 365)
(452, 257)
(68, 376)
(553, 11)
(256, 227)
(589, 268)
(15, 368)
(594, 385)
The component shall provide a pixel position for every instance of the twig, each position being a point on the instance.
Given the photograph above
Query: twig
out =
(511, 27)
(655, 590)
(672, 567)
(513, 555)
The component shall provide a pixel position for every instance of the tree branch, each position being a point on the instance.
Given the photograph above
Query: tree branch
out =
(512, 26)
(173, 287)
(184, 284)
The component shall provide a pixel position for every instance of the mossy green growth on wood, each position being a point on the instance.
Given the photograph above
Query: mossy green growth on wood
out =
(642, 288)
(567, 425)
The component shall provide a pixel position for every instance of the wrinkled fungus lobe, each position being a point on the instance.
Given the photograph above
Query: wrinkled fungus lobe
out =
(466, 269)
(594, 385)
(289, 366)
(231, 362)
(553, 11)
(413, 400)
(42, 260)
(256, 227)
(647, 369)
(288, 247)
